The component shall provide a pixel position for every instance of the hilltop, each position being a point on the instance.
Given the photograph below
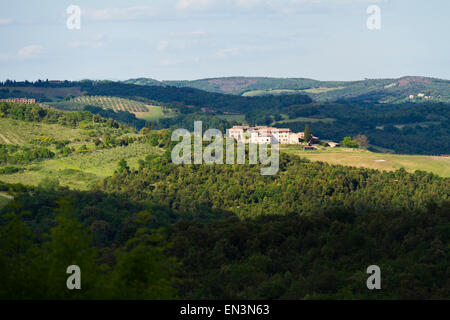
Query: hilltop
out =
(368, 90)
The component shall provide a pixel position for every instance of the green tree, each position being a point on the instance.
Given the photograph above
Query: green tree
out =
(123, 166)
(16, 268)
(308, 135)
(143, 271)
(69, 244)
(349, 143)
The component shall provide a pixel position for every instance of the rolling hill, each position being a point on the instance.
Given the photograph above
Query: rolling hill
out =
(369, 90)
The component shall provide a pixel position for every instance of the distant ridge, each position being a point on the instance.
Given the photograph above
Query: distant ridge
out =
(389, 90)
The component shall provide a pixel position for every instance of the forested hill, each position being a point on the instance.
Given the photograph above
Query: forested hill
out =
(191, 96)
(46, 91)
(226, 232)
(373, 90)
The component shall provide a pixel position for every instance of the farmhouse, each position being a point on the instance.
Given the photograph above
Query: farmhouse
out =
(314, 139)
(19, 100)
(264, 135)
(239, 133)
(332, 144)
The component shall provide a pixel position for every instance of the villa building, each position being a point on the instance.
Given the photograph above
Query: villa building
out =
(266, 135)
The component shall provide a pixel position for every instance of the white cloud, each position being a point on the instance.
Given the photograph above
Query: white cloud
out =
(91, 44)
(189, 34)
(109, 14)
(273, 5)
(186, 4)
(30, 51)
(162, 45)
(228, 52)
(5, 21)
(169, 62)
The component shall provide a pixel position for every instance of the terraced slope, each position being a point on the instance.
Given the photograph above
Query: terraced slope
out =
(114, 103)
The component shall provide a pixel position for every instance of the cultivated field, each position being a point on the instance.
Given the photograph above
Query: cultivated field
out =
(154, 113)
(114, 103)
(141, 110)
(18, 132)
(82, 170)
(380, 161)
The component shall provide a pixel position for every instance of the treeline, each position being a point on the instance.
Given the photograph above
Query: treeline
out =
(300, 186)
(186, 121)
(14, 154)
(125, 117)
(196, 97)
(36, 113)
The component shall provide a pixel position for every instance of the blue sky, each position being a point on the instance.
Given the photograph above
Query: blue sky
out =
(192, 39)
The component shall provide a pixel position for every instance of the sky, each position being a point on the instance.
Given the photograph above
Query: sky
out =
(194, 39)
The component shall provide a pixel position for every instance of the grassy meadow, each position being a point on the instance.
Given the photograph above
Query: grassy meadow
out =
(379, 161)
(82, 170)
(19, 132)
(154, 113)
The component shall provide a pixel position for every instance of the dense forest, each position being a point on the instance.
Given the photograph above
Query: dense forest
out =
(225, 232)
(407, 128)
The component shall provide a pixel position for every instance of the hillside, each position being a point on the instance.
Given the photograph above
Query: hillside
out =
(76, 148)
(370, 90)
(113, 199)
(415, 126)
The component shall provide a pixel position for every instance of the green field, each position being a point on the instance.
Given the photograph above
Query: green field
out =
(154, 113)
(379, 161)
(18, 132)
(82, 170)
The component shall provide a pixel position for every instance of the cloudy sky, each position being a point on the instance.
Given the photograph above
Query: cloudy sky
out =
(192, 39)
